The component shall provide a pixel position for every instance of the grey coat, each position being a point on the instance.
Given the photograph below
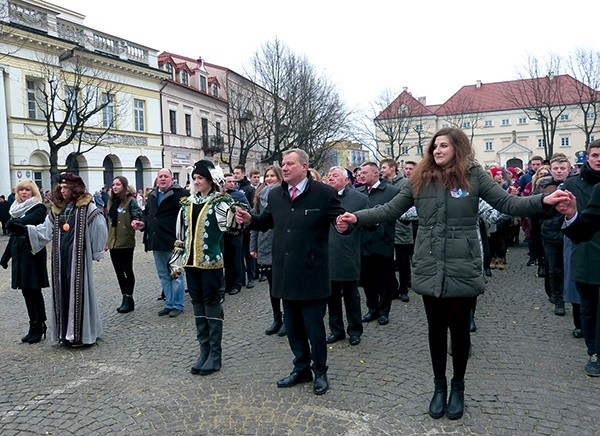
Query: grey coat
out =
(379, 238)
(262, 242)
(447, 256)
(344, 250)
(404, 229)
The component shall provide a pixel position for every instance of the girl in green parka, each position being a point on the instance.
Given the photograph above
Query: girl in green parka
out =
(445, 189)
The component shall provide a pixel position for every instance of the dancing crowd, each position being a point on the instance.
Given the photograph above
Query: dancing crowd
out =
(438, 227)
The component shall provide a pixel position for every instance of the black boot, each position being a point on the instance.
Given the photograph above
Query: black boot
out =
(128, 304)
(39, 330)
(202, 336)
(276, 326)
(214, 316)
(282, 331)
(456, 402)
(472, 326)
(29, 333)
(437, 406)
(122, 304)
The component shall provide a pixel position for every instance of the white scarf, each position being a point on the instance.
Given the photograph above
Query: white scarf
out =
(17, 210)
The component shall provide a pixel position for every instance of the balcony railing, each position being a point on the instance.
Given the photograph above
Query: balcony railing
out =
(213, 144)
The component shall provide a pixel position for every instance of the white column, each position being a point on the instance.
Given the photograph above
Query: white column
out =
(5, 183)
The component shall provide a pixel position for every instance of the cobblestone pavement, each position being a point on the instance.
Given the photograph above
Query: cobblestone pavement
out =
(525, 376)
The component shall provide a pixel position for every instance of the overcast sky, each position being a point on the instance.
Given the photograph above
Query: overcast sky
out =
(431, 47)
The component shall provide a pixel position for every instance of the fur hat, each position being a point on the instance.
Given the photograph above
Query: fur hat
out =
(203, 167)
(72, 179)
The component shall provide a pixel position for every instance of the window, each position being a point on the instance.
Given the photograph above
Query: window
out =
(489, 146)
(466, 125)
(37, 178)
(488, 123)
(403, 129)
(204, 125)
(505, 122)
(138, 115)
(419, 128)
(108, 111)
(420, 149)
(71, 104)
(404, 150)
(523, 120)
(388, 150)
(185, 79)
(403, 109)
(173, 120)
(203, 83)
(591, 115)
(215, 90)
(564, 117)
(564, 141)
(541, 143)
(169, 69)
(219, 135)
(34, 98)
(188, 124)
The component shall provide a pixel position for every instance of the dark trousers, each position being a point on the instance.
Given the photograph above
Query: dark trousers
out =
(267, 270)
(249, 262)
(555, 271)
(498, 242)
(122, 260)
(589, 310)
(203, 285)
(454, 314)
(348, 290)
(305, 328)
(34, 301)
(233, 259)
(378, 278)
(403, 254)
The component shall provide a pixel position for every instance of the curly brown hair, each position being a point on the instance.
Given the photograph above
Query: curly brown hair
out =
(455, 175)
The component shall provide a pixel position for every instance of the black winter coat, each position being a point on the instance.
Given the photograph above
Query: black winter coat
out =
(300, 239)
(159, 230)
(29, 271)
(379, 239)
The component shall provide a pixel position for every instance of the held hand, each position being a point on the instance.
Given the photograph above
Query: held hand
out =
(347, 217)
(137, 225)
(556, 197)
(241, 216)
(568, 207)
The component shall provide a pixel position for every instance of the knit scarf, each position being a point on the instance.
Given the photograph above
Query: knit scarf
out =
(589, 175)
(17, 210)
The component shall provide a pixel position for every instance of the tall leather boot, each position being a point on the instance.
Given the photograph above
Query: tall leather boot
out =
(456, 402)
(214, 316)
(122, 304)
(29, 333)
(39, 331)
(437, 406)
(276, 326)
(202, 336)
(128, 304)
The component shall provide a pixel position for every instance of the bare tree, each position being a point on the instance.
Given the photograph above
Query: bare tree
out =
(303, 109)
(464, 112)
(77, 103)
(541, 97)
(584, 66)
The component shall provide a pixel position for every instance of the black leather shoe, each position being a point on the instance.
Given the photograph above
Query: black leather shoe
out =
(404, 298)
(331, 339)
(488, 272)
(234, 291)
(383, 320)
(321, 384)
(164, 312)
(531, 261)
(577, 333)
(293, 379)
(250, 284)
(369, 317)
(354, 340)
(262, 278)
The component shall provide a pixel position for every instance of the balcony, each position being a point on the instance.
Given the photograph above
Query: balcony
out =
(246, 115)
(213, 144)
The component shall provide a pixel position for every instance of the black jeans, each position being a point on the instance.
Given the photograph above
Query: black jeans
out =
(347, 290)
(453, 314)
(377, 277)
(122, 260)
(589, 311)
(403, 254)
(555, 272)
(232, 256)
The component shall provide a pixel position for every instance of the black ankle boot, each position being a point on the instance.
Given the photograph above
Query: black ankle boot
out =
(122, 304)
(128, 304)
(437, 406)
(39, 331)
(456, 402)
(276, 326)
(29, 333)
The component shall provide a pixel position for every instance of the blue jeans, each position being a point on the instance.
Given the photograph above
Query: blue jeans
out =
(172, 288)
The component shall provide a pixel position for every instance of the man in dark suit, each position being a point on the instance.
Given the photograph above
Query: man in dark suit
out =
(233, 247)
(377, 249)
(300, 212)
(344, 264)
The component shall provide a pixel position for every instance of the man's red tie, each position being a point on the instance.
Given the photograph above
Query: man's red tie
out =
(294, 192)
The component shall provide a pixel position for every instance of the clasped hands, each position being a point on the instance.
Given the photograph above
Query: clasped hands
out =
(564, 202)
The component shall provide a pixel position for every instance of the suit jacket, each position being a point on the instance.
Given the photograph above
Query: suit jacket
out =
(587, 222)
(159, 230)
(300, 239)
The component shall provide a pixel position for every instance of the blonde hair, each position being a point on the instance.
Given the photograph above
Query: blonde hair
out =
(30, 185)
(537, 176)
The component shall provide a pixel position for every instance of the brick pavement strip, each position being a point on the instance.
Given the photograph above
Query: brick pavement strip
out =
(525, 375)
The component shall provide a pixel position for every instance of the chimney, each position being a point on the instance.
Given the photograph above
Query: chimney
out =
(478, 84)
(404, 88)
(423, 100)
(550, 75)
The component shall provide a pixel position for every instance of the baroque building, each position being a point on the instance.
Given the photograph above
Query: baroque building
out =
(55, 69)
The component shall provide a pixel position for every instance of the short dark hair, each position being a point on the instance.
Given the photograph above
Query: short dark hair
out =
(410, 162)
(240, 167)
(370, 164)
(594, 144)
(540, 158)
(254, 171)
(390, 162)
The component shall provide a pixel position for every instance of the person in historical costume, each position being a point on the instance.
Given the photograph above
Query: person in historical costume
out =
(202, 220)
(78, 232)
(28, 271)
